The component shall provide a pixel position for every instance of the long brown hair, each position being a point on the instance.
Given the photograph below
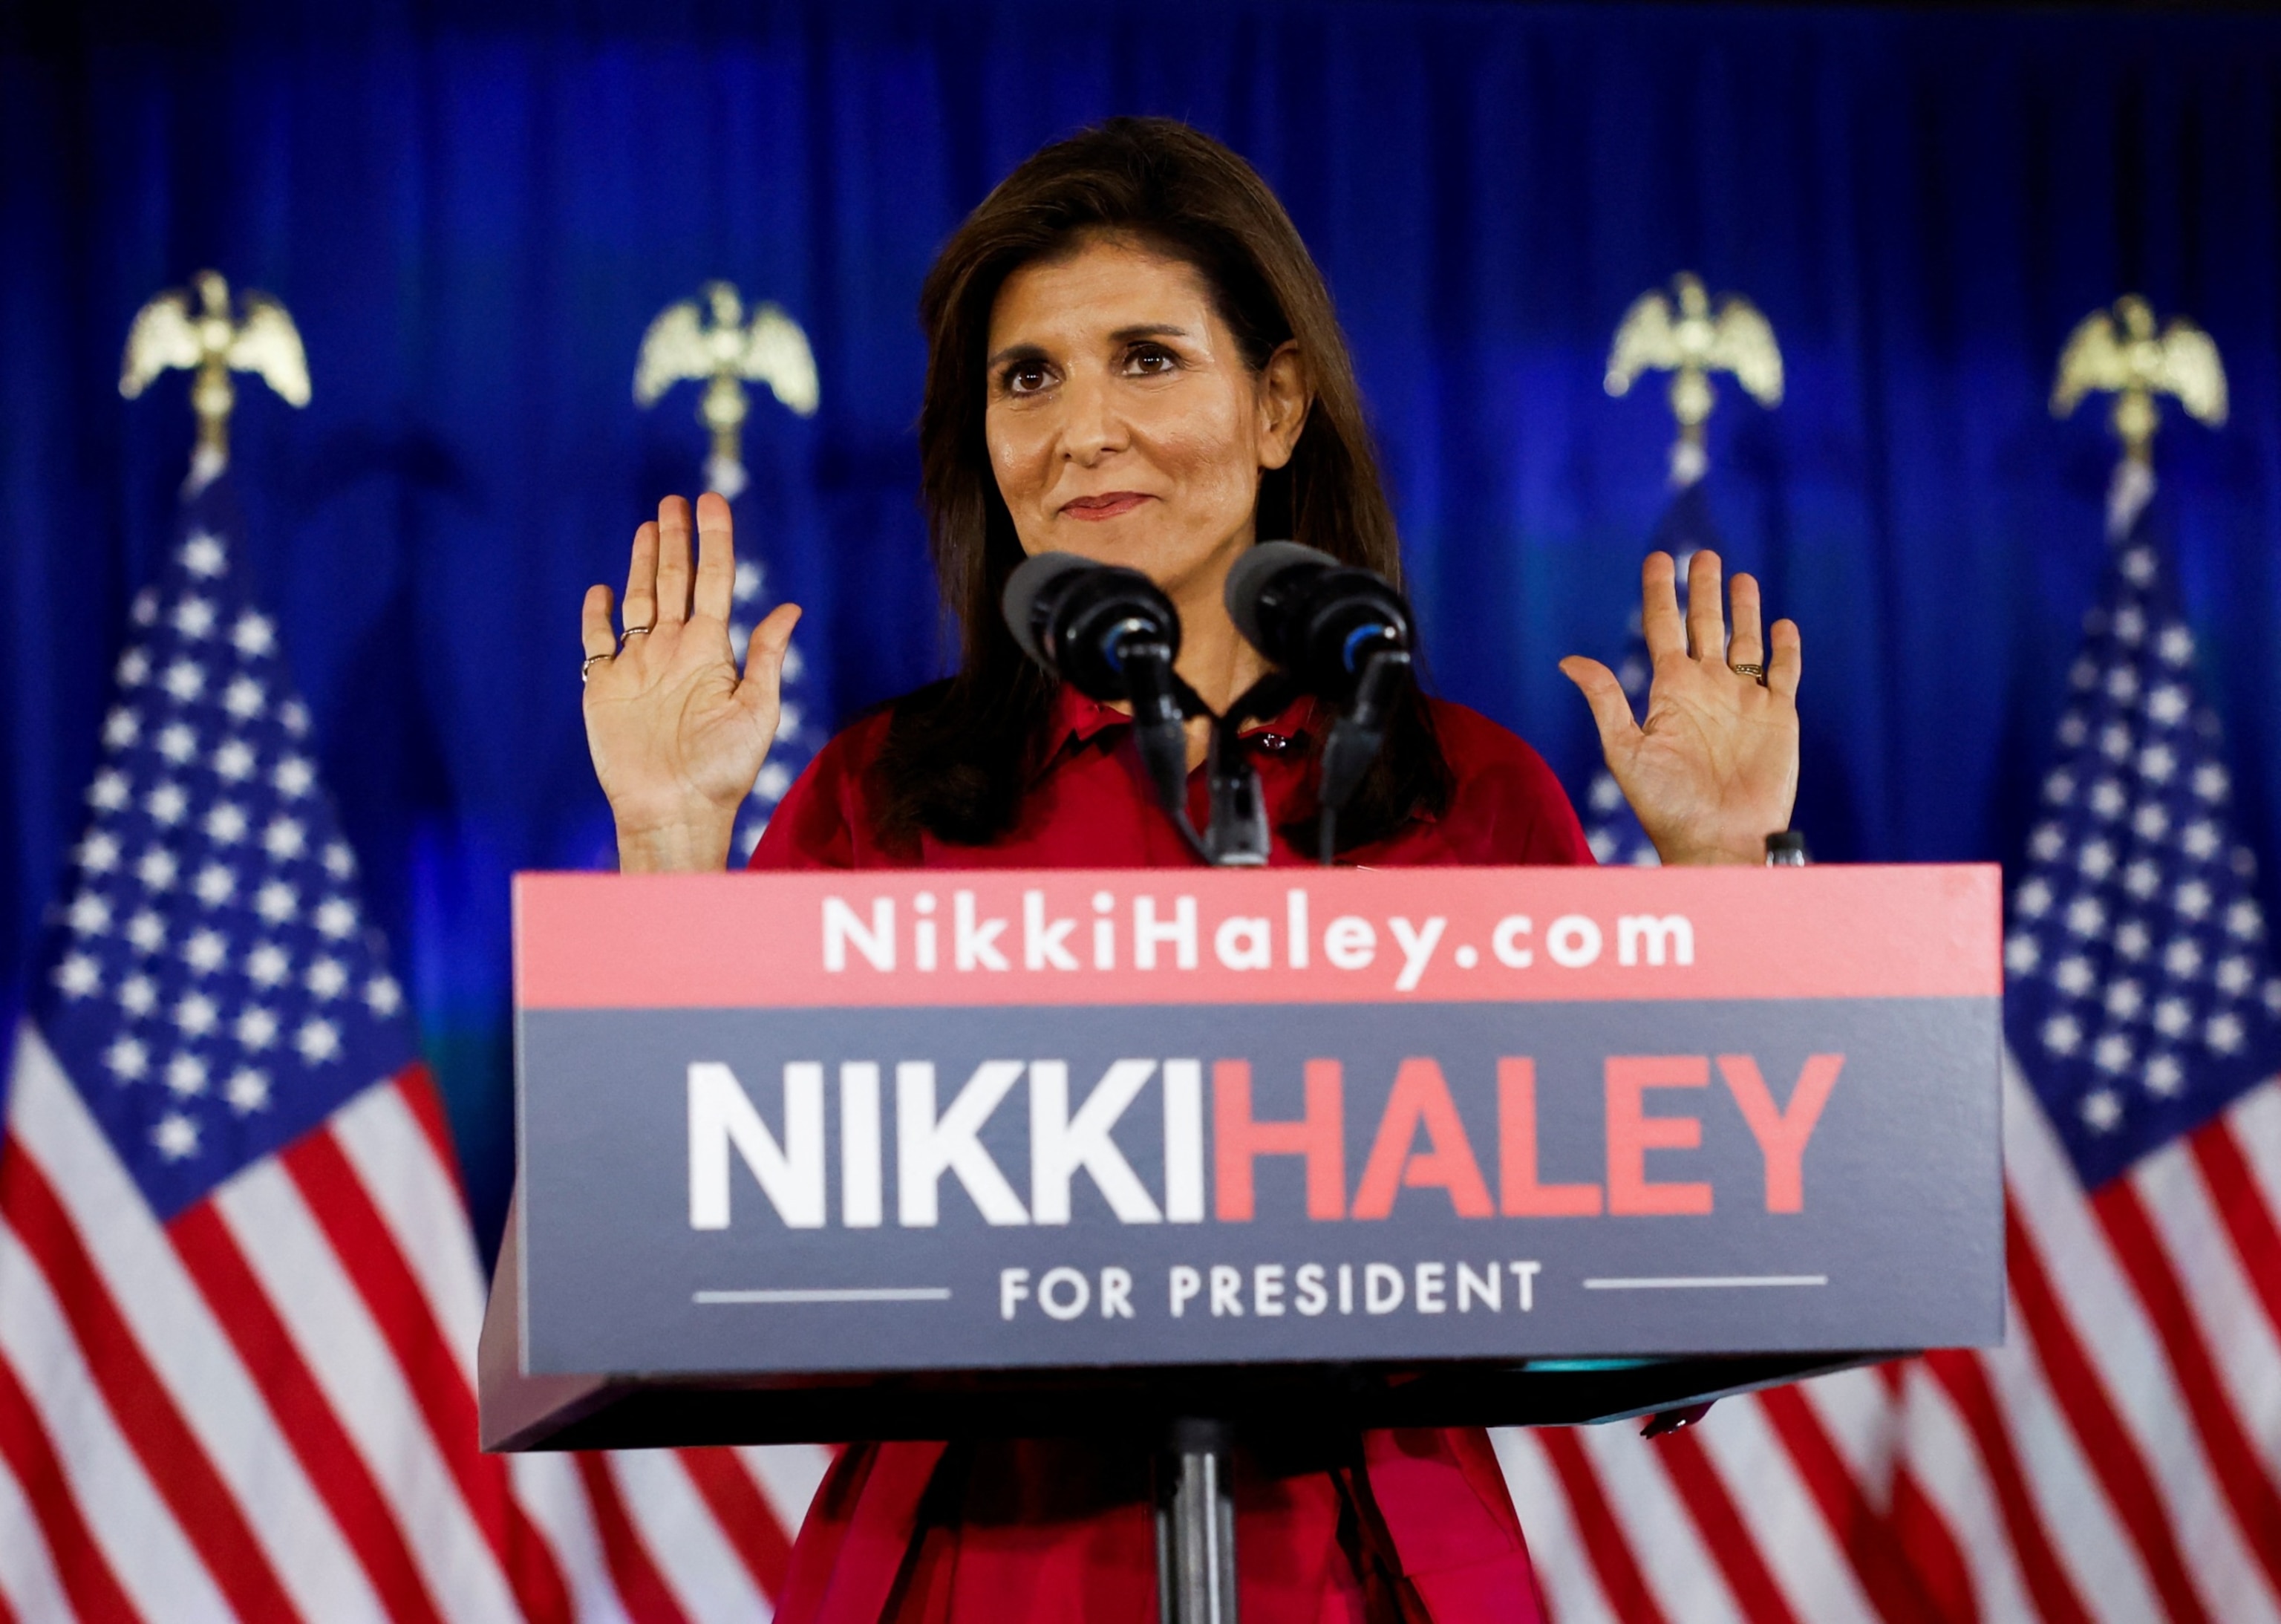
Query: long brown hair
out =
(960, 754)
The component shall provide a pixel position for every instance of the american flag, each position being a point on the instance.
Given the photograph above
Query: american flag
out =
(802, 718)
(1610, 827)
(2119, 1457)
(239, 1295)
(2142, 997)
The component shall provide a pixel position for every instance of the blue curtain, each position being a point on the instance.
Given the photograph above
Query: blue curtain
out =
(474, 209)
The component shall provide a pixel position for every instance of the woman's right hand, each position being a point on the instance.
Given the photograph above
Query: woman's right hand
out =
(677, 738)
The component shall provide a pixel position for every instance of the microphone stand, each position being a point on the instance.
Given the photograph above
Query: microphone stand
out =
(1194, 1498)
(1238, 836)
(1162, 704)
(1355, 740)
(1196, 1502)
(1195, 1524)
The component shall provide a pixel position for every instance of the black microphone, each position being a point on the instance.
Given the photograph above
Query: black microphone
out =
(1340, 632)
(1321, 620)
(1085, 621)
(1111, 634)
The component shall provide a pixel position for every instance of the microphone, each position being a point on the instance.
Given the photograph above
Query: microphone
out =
(1086, 622)
(1341, 632)
(1111, 634)
(1318, 619)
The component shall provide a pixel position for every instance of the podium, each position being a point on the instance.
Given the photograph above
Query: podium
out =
(942, 1154)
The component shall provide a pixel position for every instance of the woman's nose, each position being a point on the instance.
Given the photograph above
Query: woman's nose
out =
(1092, 427)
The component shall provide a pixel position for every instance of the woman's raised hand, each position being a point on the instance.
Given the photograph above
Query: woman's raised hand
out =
(1714, 770)
(677, 738)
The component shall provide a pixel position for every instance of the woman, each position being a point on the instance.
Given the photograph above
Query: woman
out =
(1132, 358)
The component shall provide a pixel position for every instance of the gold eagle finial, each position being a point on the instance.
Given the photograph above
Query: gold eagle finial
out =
(170, 332)
(683, 344)
(2120, 352)
(1691, 342)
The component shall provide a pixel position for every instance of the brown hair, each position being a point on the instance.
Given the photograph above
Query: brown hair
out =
(960, 754)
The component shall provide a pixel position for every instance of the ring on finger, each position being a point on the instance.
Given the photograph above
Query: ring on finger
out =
(586, 665)
(634, 632)
(1756, 673)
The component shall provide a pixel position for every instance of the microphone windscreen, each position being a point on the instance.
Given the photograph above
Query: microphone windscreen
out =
(1024, 587)
(1252, 573)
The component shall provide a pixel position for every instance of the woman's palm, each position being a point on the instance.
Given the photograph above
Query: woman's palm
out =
(1713, 769)
(677, 735)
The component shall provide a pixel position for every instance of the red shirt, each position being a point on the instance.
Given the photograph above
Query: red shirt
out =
(1044, 1531)
(1093, 808)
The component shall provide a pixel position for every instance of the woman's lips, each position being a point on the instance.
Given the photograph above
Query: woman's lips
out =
(1105, 506)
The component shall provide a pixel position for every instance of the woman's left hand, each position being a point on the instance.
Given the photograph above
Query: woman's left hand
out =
(1714, 770)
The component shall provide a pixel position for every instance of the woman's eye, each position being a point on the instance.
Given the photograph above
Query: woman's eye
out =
(1026, 377)
(1148, 358)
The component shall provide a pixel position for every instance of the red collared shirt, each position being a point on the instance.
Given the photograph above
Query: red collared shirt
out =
(1092, 807)
(1040, 1532)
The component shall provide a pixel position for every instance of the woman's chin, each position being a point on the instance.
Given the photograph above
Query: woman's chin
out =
(1129, 539)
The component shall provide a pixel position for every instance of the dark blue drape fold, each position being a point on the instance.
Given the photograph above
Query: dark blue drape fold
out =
(474, 210)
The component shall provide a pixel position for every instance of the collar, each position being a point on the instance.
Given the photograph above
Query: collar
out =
(1077, 719)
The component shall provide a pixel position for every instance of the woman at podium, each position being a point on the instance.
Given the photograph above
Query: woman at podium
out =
(1132, 358)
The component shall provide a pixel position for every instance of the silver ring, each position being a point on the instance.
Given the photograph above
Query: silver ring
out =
(635, 632)
(1756, 673)
(587, 665)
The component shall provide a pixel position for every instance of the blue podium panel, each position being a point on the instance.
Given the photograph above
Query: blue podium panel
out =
(1301, 1132)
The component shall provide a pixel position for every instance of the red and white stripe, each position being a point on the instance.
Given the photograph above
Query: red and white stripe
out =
(2118, 1459)
(266, 1408)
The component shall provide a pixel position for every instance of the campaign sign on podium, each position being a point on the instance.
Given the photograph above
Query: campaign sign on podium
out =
(873, 1132)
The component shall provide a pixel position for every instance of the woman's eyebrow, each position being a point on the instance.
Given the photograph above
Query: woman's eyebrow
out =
(1123, 334)
(1016, 353)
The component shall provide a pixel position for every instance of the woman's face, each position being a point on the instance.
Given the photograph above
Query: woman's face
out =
(1123, 422)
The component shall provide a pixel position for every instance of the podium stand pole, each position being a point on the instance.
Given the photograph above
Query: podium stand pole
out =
(1195, 1526)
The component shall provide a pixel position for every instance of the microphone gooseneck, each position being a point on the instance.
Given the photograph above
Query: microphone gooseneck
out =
(1112, 635)
(1331, 629)
(1338, 631)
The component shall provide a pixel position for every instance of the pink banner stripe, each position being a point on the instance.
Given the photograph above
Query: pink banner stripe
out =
(1289, 936)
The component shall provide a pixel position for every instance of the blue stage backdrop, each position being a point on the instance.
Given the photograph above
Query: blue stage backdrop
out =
(472, 210)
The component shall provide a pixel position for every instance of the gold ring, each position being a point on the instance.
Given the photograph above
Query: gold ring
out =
(1756, 673)
(635, 632)
(587, 665)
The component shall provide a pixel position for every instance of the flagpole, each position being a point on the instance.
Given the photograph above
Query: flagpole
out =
(710, 339)
(1685, 336)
